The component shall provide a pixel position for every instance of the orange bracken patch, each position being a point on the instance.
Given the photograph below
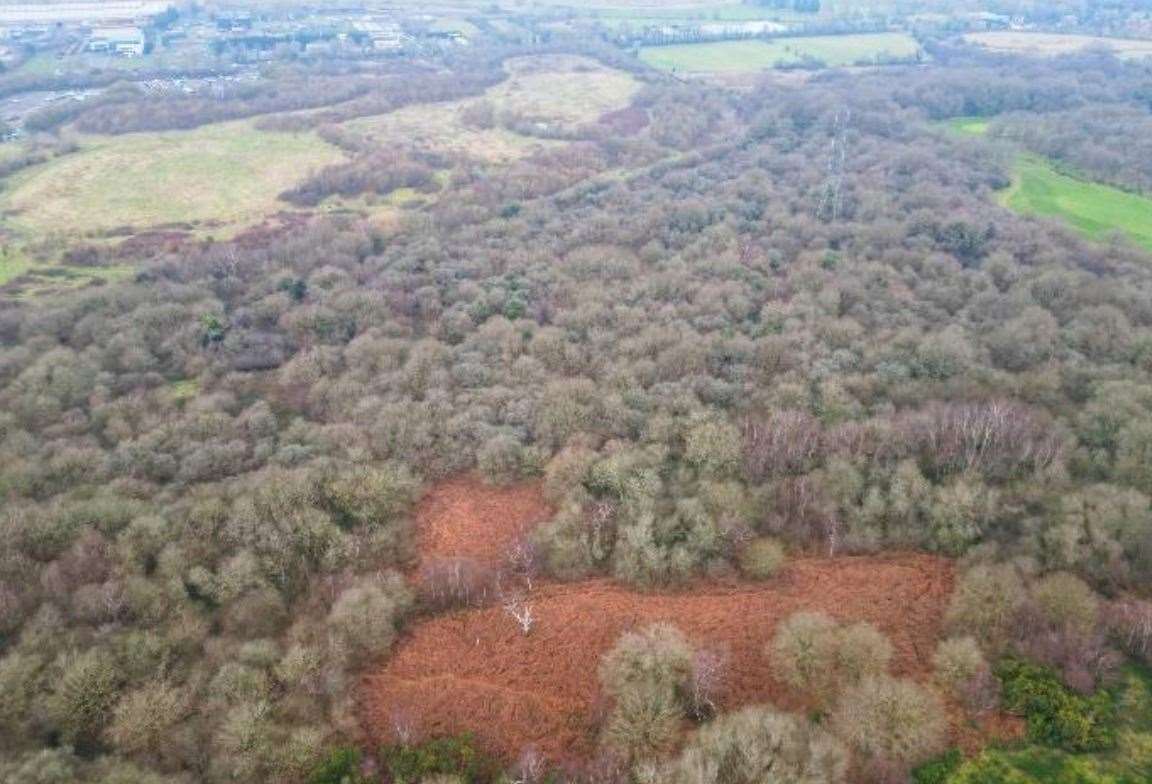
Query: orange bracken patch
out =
(467, 518)
(475, 671)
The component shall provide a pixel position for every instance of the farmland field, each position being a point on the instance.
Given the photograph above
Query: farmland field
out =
(732, 56)
(639, 17)
(227, 173)
(1051, 44)
(1091, 208)
(560, 91)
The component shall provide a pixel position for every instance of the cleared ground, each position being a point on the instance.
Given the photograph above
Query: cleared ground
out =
(473, 670)
(752, 55)
(559, 92)
(1051, 44)
(217, 176)
(1091, 208)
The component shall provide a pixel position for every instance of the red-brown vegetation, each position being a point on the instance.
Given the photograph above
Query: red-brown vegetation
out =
(476, 670)
(466, 518)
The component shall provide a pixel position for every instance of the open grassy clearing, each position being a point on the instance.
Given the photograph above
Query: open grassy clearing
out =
(439, 127)
(1091, 208)
(1039, 188)
(554, 90)
(13, 264)
(217, 176)
(48, 64)
(645, 17)
(970, 126)
(563, 89)
(1051, 44)
(724, 12)
(752, 55)
(44, 280)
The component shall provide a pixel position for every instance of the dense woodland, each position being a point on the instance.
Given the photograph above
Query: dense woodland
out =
(208, 471)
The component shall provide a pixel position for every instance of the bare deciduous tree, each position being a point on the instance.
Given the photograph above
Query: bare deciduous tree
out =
(530, 768)
(998, 438)
(523, 559)
(1130, 621)
(709, 669)
(787, 442)
(404, 725)
(522, 612)
(454, 582)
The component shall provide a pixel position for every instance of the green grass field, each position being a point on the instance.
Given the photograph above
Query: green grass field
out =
(218, 176)
(13, 263)
(48, 64)
(970, 126)
(1039, 188)
(1091, 208)
(755, 55)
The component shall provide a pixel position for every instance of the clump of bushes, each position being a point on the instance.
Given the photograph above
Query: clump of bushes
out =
(455, 756)
(891, 720)
(647, 674)
(757, 744)
(762, 558)
(340, 766)
(820, 657)
(964, 673)
(1056, 715)
(938, 770)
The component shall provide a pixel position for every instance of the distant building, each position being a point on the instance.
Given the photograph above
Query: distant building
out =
(235, 22)
(383, 34)
(988, 21)
(124, 41)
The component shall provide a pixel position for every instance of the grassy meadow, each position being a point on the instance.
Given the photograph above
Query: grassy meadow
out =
(220, 178)
(221, 175)
(1091, 208)
(1052, 44)
(13, 263)
(755, 55)
(969, 126)
(562, 91)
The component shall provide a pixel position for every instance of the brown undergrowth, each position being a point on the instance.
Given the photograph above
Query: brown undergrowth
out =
(474, 670)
